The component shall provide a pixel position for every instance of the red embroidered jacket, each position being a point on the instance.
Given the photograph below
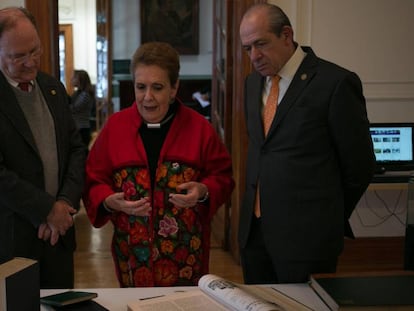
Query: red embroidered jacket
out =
(171, 247)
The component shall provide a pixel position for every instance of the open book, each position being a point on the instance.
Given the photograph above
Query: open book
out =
(215, 293)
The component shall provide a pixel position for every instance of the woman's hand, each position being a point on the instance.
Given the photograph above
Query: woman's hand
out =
(117, 202)
(188, 194)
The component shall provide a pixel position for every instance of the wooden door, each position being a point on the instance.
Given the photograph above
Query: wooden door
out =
(230, 67)
(66, 55)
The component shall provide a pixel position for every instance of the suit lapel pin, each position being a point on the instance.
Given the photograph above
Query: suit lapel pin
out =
(53, 92)
(303, 76)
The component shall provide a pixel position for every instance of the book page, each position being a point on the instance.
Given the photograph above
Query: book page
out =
(275, 296)
(192, 300)
(233, 296)
(215, 293)
(325, 297)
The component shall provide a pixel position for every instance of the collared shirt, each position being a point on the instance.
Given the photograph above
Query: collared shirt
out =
(286, 74)
(15, 84)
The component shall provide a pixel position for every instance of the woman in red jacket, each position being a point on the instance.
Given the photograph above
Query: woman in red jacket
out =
(158, 171)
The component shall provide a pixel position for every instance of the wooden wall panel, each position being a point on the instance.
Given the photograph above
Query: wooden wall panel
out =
(239, 134)
(46, 15)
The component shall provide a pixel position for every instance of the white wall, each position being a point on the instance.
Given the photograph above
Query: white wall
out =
(127, 35)
(371, 37)
(82, 15)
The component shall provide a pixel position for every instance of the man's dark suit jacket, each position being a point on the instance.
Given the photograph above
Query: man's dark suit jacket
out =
(313, 166)
(24, 204)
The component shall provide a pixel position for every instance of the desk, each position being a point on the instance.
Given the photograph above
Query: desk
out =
(116, 299)
(392, 177)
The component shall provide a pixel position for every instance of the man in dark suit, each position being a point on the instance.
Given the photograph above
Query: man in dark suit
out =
(41, 156)
(306, 175)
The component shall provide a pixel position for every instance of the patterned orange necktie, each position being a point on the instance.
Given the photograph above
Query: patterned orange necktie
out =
(271, 104)
(268, 116)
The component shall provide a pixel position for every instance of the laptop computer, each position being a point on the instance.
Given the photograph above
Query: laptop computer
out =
(394, 149)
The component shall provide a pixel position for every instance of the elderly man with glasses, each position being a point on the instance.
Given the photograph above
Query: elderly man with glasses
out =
(41, 156)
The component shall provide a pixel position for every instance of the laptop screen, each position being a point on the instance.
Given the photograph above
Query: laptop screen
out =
(393, 145)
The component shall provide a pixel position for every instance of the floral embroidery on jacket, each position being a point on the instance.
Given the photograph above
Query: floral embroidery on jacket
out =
(164, 249)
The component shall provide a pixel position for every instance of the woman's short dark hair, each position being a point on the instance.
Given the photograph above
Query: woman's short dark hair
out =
(160, 54)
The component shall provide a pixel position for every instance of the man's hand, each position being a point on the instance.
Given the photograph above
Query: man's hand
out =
(45, 233)
(60, 218)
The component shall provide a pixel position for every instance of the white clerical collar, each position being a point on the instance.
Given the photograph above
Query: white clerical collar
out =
(158, 125)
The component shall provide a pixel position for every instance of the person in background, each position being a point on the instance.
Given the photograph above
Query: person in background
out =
(82, 103)
(158, 171)
(308, 163)
(41, 156)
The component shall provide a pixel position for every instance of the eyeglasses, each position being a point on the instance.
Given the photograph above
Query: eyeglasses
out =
(21, 59)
